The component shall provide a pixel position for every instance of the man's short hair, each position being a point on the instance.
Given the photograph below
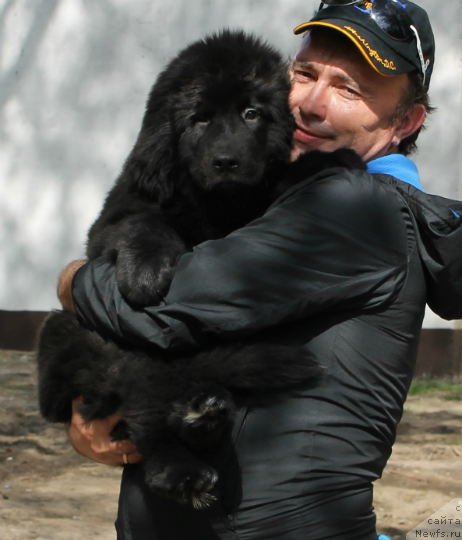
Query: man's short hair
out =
(414, 94)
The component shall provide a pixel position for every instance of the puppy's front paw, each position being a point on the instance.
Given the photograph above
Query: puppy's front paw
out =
(147, 252)
(191, 483)
(347, 158)
(316, 161)
(143, 282)
(201, 418)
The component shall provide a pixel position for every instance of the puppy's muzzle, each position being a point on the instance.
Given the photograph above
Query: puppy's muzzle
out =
(225, 163)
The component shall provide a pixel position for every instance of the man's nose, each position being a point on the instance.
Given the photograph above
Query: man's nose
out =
(315, 102)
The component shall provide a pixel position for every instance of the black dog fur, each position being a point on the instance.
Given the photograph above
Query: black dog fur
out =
(212, 155)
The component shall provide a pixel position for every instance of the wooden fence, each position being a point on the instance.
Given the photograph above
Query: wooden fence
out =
(440, 351)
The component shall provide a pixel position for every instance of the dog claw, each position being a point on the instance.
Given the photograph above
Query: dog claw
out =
(188, 484)
(201, 420)
(205, 500)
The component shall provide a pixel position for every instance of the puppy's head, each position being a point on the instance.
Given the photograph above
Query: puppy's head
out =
(218, 114)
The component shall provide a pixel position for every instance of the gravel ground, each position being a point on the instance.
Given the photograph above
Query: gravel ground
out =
(48, 492)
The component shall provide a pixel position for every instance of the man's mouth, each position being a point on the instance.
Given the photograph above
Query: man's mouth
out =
(308, 136)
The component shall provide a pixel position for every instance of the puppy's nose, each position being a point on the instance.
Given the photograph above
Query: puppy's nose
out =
(224, 162)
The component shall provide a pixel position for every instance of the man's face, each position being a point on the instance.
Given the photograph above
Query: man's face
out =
(339, 100)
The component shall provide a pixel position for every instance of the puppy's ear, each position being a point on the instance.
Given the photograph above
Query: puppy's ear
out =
(150, 166)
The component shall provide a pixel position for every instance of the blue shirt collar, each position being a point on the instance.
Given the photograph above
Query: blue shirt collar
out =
(398, 166)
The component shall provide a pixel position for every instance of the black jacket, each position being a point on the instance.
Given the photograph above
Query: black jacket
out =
(343, 262)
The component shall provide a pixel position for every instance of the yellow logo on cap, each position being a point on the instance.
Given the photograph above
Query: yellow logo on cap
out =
(372, 53)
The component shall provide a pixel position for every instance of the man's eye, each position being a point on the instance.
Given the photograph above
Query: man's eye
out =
(351, 91)
(250, 114)
(303, 75)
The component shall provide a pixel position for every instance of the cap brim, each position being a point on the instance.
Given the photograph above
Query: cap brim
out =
(378, 54)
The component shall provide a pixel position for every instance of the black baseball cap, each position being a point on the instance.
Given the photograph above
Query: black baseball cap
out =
(371, 25)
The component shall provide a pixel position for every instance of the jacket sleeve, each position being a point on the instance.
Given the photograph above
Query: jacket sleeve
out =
(331, 243)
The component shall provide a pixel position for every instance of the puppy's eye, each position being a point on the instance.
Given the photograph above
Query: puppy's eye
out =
(250, 114)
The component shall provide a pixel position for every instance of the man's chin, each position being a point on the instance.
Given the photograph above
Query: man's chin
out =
(299, 149)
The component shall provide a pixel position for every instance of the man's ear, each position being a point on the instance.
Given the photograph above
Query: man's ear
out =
(409, 123)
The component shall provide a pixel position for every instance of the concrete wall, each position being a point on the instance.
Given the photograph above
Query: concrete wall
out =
(74, 76)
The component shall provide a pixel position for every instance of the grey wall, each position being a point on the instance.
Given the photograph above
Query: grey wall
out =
(74, 76)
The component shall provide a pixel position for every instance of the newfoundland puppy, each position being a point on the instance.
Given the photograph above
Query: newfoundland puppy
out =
(212, 155)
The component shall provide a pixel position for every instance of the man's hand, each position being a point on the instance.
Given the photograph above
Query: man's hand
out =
(65, 285)
(93, 439)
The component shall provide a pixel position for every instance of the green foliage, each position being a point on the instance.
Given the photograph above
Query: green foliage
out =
(425, 387)
(16, 386)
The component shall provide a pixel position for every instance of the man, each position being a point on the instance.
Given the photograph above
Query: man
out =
(344, 263)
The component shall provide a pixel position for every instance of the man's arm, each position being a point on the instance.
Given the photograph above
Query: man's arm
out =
(338, 242)
(65, 285)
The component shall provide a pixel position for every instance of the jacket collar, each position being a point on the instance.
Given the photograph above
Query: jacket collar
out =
(398, 166)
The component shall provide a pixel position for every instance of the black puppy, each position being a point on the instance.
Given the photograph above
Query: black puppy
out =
(211, 156)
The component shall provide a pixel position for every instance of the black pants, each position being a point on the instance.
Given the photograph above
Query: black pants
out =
(346, 515)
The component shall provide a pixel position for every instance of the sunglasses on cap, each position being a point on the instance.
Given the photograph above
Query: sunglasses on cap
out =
(391, 17)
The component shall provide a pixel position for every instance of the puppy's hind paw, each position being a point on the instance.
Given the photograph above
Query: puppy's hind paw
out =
(201, 419)
(187, 484)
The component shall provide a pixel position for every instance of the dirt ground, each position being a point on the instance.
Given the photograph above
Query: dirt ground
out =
(47, 492)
